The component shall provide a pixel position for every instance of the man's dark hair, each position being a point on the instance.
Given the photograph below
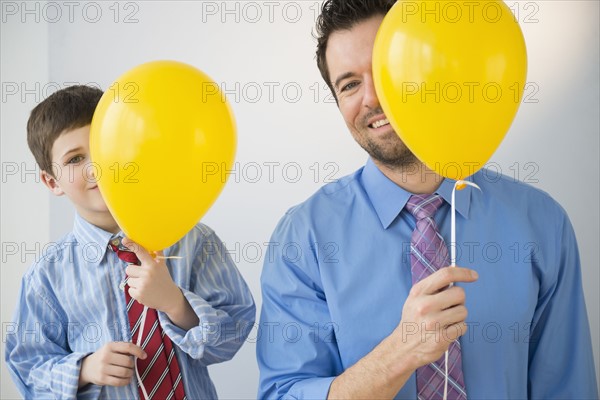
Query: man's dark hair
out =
(337, 15)
(67, 109)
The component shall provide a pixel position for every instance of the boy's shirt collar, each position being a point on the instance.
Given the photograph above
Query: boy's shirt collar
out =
(92, 241)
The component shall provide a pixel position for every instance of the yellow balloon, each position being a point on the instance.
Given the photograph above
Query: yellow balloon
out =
(450, 76)
(161, 139)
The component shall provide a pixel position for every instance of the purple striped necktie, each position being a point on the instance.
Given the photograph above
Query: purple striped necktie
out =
(428, 253)
(160, 370)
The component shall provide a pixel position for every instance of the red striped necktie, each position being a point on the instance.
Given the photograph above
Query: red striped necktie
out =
(159, 372)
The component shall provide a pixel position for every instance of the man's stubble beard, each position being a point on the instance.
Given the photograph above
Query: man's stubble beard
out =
(391, 152)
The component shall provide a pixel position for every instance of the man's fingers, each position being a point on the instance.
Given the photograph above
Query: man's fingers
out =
(444, 277)
(451, 316)
(455, 331)
(448, 298)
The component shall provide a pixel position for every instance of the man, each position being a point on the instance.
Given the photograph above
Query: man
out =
(357, 301)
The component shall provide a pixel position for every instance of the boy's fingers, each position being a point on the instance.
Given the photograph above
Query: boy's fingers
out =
(133, 271)
(445, 276)
(133, 292)
(122, 360)
(136, 351)
(119, 371)
(114, 381)
(133, 283)
(139, 251)
(130, 348)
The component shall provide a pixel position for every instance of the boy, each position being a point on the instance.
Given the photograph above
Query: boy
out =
(74, 336)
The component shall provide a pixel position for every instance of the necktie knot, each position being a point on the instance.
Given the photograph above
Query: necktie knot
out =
(123, 252)
(424, 205)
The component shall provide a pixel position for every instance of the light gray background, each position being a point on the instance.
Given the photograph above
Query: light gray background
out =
(290, 141)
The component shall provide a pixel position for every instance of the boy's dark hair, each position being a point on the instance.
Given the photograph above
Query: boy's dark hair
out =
(67, 109)
(339, 15)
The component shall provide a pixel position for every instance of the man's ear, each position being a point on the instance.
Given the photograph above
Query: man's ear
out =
(51, 183)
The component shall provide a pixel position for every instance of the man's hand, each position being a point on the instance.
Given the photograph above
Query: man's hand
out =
(111, 365)
(150, 283)
(433, 316)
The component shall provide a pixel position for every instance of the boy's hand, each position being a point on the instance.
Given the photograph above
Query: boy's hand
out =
(150, 283)
(111, 365)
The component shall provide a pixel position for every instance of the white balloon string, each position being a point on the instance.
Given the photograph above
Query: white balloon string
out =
(168, 257)
(446, 375)
(460, 184)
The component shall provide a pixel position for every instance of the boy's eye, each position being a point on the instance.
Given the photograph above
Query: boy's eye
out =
(76, 159)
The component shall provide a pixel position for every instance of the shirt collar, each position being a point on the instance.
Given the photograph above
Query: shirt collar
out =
(92, 241)
(389, 199)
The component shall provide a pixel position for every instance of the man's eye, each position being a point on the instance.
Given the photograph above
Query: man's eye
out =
(349, 86)
(75, 160)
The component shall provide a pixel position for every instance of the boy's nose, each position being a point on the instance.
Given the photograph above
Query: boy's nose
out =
(90, 172)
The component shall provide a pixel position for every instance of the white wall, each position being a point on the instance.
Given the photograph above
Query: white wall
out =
(25, 205)
(283, 133)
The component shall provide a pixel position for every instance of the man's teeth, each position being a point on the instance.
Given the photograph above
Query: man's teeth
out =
(380, 123)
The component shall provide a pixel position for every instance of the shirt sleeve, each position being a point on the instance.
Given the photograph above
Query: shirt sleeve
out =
(561, 363)
(297, 350)
(222, 301)
(37, 352)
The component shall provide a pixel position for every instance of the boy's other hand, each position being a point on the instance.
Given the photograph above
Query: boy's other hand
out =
(111, 365)
(150, 283)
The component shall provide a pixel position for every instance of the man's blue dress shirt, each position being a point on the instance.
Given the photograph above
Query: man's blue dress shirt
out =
(71, 304)
(338, 273)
